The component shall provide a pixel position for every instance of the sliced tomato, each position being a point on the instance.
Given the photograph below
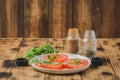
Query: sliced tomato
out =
(57, 57)
(50, 66)
(69, 63)
(39, 65)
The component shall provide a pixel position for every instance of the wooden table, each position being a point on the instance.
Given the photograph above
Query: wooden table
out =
(109, 49)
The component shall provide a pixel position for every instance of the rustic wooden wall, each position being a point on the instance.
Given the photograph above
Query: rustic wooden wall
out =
(52, 18)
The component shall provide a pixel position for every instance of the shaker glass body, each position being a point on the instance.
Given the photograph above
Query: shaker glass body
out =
(73, 41)
(89, 44)
(73, 44)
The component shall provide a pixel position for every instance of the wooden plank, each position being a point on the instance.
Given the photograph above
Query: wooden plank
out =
(97, 17)
(3, 18)
(0, 17)
(36, 18)
(10, 15)
(20, 18)
(44, 19)
(27, 28)
(59, 17)
(66, 16)
(11, 11)
(28, 72)
(31, 18)
(8, 51)
(54, 18)
(107, 18)
(117, 18)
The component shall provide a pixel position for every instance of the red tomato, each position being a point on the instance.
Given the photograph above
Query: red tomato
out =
(69, 63)
(50, 66)
(57, 57)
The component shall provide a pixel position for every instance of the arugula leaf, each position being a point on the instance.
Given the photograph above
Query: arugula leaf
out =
(45, 62)
(76, 60)
(44, 49)
(40, 61)
(51, 57)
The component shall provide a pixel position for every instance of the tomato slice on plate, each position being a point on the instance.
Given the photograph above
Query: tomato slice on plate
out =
(50, 66)
(75, 63)
(56, 57)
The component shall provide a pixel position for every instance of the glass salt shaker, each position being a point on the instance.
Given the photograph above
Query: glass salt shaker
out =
(89, 44)
(73, 41)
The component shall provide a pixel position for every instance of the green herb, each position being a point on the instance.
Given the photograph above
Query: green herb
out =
(77, 60)
(51, 57)
(45, 62)
(44, 49)
(40, 61)
(90, 53)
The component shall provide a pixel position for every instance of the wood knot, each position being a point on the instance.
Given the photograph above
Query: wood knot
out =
(55, 40)
(118, 44)
(15, 49)
(107, 73)
(36, 76)
(105, 42)
(23, 45)
(34, 39)
(5, 74)
(8, 63)
(119, 59)
(100, 49)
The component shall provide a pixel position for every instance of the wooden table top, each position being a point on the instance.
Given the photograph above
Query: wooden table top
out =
(109, 49)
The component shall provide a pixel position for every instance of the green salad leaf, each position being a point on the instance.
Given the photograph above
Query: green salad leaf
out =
(77, 60)
(44, 49)
(51, 57)
(41, 61)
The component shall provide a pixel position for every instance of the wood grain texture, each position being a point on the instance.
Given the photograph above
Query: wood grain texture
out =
(107, 18)
(107, 48)
(53, 18)
(36, 18)
(26, 44)
(117, 18)
(11, 11)
(96, 15)
(78, 15)
(3, 18)
(10, 48)
(66, 21)
(60, 17)
(20, 18)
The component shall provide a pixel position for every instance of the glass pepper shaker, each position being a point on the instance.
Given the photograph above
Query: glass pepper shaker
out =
(89, 44)
(73, 41)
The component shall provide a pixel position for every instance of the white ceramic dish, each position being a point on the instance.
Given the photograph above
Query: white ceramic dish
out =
(63, 71)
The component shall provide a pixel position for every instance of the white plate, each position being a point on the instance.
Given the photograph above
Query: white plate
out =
(63, 71)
